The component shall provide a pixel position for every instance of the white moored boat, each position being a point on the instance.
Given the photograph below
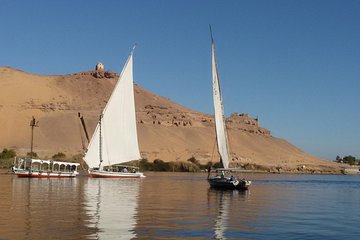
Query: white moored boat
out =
(38, 168)
(114, 141)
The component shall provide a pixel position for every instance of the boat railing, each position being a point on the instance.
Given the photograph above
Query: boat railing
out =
(126, 166)
(229, 170)
(122, 168)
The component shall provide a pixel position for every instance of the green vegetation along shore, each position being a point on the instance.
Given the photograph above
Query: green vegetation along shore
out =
(191, 165)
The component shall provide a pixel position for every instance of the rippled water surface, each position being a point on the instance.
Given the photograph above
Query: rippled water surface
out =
(178, 206)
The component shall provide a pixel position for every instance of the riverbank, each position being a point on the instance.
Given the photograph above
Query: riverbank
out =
(194, 166)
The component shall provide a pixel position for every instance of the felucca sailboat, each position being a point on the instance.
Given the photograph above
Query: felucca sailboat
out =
(220, 181)
(114, 141)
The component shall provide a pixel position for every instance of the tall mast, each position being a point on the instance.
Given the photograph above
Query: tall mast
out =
(33, 124)
(82, 121)
(100, 141)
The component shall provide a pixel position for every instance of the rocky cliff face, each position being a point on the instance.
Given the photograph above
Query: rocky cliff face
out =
(247, 124)
(166, 130)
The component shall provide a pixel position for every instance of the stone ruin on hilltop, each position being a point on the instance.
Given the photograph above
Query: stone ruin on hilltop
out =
(99, 67)
(245, 123)
(168, 117)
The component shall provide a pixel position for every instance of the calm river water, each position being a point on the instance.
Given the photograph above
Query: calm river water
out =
(180, 206)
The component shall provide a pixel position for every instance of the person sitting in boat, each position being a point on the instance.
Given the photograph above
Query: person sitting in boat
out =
(232, 178)
(222, 174)
(125, 170)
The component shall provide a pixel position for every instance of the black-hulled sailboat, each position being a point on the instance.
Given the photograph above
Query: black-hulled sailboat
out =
(220, 181)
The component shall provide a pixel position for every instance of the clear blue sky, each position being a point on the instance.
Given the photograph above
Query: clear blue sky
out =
(295, 64)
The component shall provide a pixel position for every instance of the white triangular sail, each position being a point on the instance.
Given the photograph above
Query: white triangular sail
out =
(221, 134)
(118, 125)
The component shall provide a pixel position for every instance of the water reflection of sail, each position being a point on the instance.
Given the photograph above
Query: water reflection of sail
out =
(112, 206)
(224, 201)
(222, 218)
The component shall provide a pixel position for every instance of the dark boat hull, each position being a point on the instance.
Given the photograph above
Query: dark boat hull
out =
(227, 184)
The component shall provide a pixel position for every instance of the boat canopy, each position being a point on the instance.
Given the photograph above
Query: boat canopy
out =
(54, 162)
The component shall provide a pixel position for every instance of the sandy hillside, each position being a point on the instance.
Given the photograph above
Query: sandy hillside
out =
(167, 130)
